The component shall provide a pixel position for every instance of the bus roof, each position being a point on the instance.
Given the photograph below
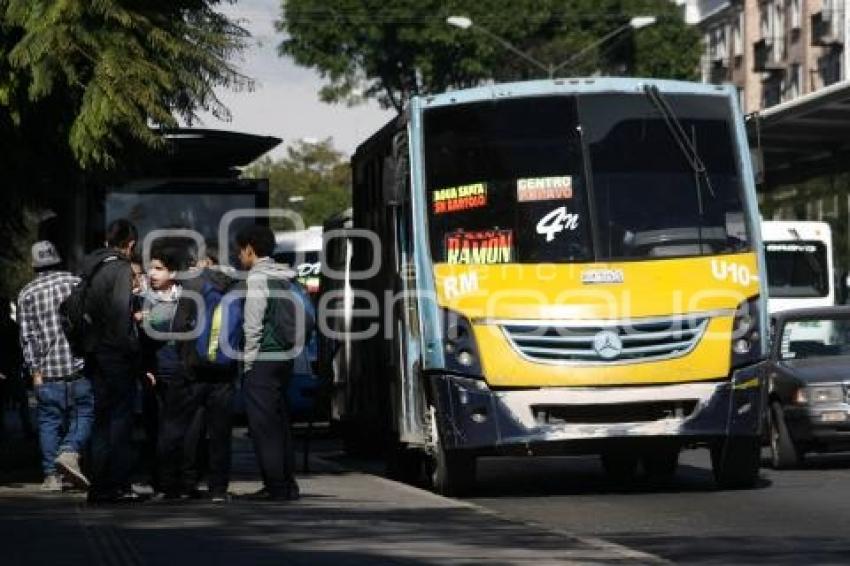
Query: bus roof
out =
(544, 88)
(571, 86)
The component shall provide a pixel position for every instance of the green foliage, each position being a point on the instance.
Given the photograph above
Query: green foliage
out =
(315, 171)
(391, 49)
(121, 65)
(668, 49)
(81, 82)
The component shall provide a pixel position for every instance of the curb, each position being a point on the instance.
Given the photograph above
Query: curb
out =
(627, 553)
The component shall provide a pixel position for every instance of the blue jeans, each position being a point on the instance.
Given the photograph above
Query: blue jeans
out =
(65, 417)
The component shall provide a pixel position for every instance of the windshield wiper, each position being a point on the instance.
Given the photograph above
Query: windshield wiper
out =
(685, 143)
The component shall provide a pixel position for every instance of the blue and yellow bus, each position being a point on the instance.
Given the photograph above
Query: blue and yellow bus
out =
(555, 267)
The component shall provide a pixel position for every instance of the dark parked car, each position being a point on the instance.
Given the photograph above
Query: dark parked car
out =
(809, 381)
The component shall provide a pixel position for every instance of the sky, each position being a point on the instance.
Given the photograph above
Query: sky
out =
(285, 102)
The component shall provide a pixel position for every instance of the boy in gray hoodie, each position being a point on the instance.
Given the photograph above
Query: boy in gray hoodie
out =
(268, 362)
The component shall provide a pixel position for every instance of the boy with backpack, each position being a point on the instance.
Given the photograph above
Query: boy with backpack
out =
(214, 369)
(188, 355)
(277, 325)
(64, 394)
(97, 319)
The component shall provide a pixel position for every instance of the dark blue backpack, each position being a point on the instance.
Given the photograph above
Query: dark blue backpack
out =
(221, 335)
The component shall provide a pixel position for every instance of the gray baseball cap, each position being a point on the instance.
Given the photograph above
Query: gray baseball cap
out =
(44, 254)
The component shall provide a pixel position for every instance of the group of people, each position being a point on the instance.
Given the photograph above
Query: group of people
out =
(181, 330)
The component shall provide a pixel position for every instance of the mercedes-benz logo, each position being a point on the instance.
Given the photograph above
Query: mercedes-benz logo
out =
(607, 344)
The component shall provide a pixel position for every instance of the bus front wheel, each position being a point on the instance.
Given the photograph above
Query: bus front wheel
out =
(452, 473)
(735, 462)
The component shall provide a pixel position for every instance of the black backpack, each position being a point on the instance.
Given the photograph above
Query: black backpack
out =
(73, 316)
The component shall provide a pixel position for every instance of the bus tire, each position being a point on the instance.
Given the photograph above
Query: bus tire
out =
(452, 473)
(620, 466)
(735, 462)
(783, 453)
(404, 464)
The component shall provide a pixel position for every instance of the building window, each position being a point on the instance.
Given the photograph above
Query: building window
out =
(772, 25)
(765, 20)
(737, 36)
(795, 82)
(829, 68)
(795, 14)
(771, 93)
(717, 47)
(828, 9)
(779, 30)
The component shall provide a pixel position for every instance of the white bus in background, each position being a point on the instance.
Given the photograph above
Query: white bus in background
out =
(800, 271)
(300, 250)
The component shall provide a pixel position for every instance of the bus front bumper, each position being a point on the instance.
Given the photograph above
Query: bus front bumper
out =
(570, 419)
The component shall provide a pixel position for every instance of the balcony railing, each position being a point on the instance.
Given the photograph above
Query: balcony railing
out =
(825, 32)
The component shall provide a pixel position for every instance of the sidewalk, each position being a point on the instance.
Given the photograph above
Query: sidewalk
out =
(344, 518)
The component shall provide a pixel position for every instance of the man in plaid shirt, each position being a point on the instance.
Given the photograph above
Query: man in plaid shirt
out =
(64, 395)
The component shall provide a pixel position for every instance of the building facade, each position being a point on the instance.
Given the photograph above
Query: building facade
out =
(772, 50)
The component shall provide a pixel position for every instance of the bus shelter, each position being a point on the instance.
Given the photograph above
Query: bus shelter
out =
(191, 183)
(805, 167)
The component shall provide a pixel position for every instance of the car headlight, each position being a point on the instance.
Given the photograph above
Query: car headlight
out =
(822, 394)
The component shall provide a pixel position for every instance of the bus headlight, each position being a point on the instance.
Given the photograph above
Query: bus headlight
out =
(459, 346)
(746, 335)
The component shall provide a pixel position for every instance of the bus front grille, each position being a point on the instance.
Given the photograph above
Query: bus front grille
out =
(604, 342)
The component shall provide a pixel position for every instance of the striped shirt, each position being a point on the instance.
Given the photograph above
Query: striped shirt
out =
(44, 345)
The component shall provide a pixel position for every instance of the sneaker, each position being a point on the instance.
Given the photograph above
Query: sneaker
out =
(290, 493)
(220, 497)
(52, 484)
(69, 464)
(130, 496)
(260, 495)
(125, 496)
(169, 496)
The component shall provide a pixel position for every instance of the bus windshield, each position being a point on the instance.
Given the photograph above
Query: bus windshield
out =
(594, 177)
(796, 269)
